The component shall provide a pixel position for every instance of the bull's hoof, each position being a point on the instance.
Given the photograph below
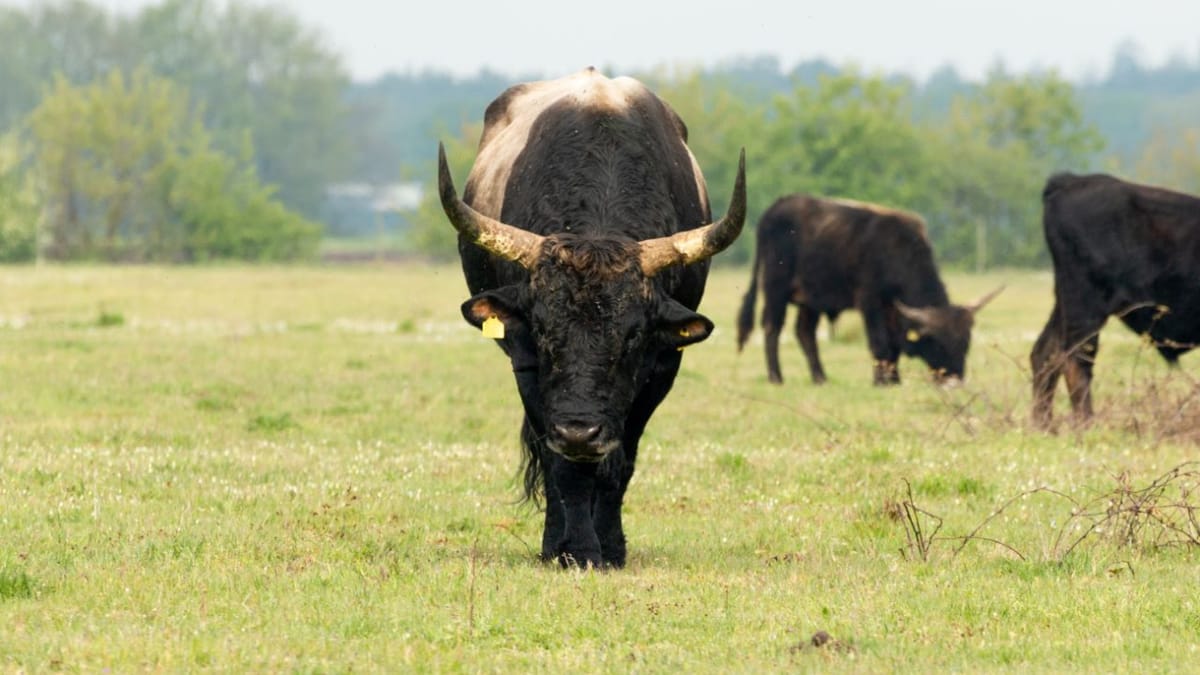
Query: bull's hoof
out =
(774, 378)
(577, 559)
(583, 561)
(615, 562)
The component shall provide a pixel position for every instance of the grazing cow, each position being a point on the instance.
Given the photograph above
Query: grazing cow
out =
(828, 255)
(1119, 249)
(584, 232)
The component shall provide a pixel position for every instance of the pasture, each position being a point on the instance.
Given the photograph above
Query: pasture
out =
(313, 469)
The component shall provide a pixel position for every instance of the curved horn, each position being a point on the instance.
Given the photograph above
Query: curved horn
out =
(504, 241)
(978, 304)
(685, 248)
(920, 315)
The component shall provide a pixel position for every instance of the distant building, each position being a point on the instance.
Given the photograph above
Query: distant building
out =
(363, 209)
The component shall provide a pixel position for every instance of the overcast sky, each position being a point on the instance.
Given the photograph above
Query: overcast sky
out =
(553, 37)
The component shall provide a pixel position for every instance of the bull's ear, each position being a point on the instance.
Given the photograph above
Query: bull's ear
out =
(679, 326)
(502, 303)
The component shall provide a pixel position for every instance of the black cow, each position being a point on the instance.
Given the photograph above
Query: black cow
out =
(828, 255)
(1119, 249)
(594, 280)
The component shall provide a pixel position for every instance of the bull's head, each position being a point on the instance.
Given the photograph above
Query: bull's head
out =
(941, 335)
(590, 319)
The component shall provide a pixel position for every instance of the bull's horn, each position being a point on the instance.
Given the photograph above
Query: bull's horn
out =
(978, 304)
(504, 241)
(922, 316)
(685, 248)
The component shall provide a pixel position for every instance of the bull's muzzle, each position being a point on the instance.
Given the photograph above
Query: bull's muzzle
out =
(581, 442)
(947, 380)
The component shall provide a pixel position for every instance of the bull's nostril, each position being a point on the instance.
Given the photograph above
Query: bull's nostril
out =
(577, 434)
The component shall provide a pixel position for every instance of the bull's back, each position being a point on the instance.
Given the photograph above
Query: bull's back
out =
(843, 247)
(1119, 245)
(1119, 234)
(535, 127)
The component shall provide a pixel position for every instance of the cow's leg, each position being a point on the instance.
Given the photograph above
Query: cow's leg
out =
(573, 486)
(806, 334)
(618, 470)
(539, 458)
(1046, 360)
(606, 508)
(1078, 374)
(883, 347)
(774, 311)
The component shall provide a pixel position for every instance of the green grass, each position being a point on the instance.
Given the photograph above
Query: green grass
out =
(314, 469)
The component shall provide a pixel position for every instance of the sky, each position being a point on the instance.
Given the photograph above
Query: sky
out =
(555, 37)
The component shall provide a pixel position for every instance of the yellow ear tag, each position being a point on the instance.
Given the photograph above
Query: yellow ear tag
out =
(683, 332)
(493, 328)
(913, 335)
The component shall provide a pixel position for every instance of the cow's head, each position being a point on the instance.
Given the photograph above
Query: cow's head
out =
(589, 318)
(941, 335)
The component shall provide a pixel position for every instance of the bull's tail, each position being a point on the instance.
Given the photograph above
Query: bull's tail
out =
(745, 320)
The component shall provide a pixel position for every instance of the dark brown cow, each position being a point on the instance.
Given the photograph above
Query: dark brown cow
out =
(584, 239)
(1120, 249)
(828, 255)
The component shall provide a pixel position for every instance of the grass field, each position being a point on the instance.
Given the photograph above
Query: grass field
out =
(312, 469)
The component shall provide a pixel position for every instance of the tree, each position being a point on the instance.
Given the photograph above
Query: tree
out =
(255, 68)
(73, 39)
(1171, 159)
(19, 207)
(130, 174)
(431, 233)
(996, 149)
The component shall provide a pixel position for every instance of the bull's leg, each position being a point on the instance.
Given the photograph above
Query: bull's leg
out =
(556, 518)
(606, 511)
(1078, 374)
(573, 486)
(883, 347)
(774, 311)
(806, 334)
(1046, 360)
(618, 470)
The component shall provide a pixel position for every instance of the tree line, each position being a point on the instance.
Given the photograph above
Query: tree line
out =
(190, 130)
(194, 130)
(975, 174)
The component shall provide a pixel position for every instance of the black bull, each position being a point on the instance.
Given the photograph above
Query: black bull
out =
(584, 238)
(828, 255)
(1120, 249)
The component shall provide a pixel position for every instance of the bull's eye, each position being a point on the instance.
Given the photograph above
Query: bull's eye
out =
(631, 341)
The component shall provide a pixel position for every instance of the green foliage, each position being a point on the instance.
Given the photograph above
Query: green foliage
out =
(975, 173)
(255, 67)
(431, 233)
(130, 174)
(224, 212)
(1172, 159)
(19, 205)
(248, 66)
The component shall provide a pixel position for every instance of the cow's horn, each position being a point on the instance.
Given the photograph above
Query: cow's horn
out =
(978, 304)
(692, 246)
(920, 315)
(504, 241)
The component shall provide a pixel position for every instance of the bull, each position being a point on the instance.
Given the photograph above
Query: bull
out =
(584, 233)
(829, 255)
(1121, 249)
